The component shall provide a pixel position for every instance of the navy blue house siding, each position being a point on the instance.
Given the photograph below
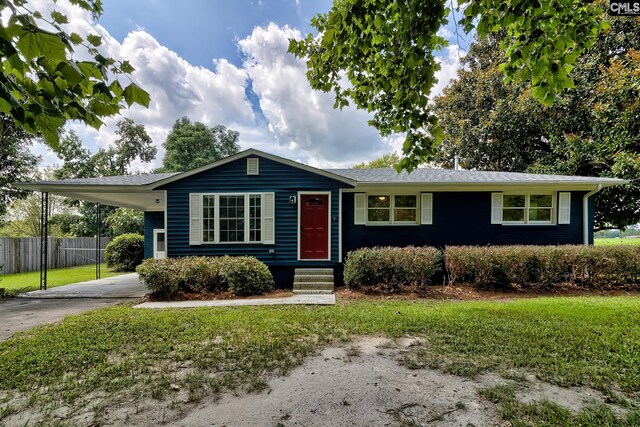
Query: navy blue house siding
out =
(283, 180)
(152, 220)
(462, 218)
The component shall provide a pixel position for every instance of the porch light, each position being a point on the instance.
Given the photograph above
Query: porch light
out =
(382, 198)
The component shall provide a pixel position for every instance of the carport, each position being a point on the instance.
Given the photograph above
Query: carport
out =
(127, 191)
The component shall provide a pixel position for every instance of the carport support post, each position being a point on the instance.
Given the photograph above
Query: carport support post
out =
(44, 239)
(97, 241)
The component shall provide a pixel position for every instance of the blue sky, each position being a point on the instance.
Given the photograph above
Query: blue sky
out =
(226, 62)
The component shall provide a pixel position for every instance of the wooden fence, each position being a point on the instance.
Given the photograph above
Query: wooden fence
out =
(19, 255)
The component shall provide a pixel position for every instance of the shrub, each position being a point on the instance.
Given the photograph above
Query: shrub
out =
(125, 252)
(239, 275)
(391, 269)
(505, 266)
(245, 275)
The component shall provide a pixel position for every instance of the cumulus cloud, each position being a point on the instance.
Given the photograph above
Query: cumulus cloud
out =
(299, 117)
(288, 118)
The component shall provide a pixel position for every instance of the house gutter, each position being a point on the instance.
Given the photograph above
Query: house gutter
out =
(585, 214)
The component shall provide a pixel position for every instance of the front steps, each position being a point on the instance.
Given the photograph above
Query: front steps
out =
(313, 281)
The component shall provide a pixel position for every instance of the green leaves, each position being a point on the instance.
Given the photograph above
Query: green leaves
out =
(42, 85)
(133, 94)
(387, 52)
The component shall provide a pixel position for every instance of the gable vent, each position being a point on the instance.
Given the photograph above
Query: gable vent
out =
(253, 166)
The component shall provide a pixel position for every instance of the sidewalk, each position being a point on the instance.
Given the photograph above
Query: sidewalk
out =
(300, 299)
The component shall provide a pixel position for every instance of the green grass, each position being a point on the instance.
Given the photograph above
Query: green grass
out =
(546, 413)
(55, 277)
(615, 241)
(593, 341)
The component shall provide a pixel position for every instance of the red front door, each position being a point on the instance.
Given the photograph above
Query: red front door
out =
(314, 226)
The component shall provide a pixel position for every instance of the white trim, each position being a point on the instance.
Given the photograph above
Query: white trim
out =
(339, 226)
(359, 207)
(197, 219)
(527, 207)
(328, 194)
(391, 208)
(156, 254)
(247, 213)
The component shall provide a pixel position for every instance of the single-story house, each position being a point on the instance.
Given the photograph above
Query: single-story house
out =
(291, 215)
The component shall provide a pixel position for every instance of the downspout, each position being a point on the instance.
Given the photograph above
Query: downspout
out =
(585, 214)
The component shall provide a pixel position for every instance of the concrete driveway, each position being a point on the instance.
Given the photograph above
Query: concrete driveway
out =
(42, 307)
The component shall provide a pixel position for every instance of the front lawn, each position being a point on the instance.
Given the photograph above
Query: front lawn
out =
(24, 282)
(615, 241)
(121, 351)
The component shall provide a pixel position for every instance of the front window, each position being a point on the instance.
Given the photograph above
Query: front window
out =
(392, 209)
(232, 218)
(527, 208)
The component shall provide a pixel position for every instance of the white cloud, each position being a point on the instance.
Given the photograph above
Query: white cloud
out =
(299, 123)
(301, 119)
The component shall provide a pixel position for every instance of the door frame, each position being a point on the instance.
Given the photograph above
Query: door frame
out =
(155, 243)
(298, 233)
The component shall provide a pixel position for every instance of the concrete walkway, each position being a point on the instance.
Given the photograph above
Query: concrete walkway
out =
(50, 306)
(300, 299)
(119, 287)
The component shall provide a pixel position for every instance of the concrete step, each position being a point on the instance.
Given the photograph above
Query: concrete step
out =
(314, 271)
(313, 278)
(314, 286)
(311, 291)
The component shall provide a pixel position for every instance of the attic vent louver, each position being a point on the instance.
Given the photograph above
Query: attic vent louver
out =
(253, 166)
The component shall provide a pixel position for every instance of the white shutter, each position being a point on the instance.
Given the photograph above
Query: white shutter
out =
(426, 206)
(195, 219)
(564, 208)
(360, 208)
(253, 166)
(268, 219)
(496, 208)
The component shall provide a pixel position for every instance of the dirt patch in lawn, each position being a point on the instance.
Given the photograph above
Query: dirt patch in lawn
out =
(469, 292)
(365, 382)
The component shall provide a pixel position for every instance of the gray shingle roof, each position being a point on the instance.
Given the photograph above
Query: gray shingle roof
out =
(448, 176)
(142, 179)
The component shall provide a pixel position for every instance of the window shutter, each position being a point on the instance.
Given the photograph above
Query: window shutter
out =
(195, 219)
(496, 208)
(360, 208)
(268, 219)
(426, 206)
(253, 166)
(564, 208)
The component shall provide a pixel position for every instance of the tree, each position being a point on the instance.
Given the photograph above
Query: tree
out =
(125, 221)
(16, 162)
(133, 143)
(42, 85)
(191, 145)
(389, 160)
(386, 53)
(590, 130)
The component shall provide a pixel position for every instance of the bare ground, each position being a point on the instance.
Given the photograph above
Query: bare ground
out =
(362, 383)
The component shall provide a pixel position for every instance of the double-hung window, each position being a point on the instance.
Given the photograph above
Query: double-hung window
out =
(392, 209)
(527, 208)
(232, 218)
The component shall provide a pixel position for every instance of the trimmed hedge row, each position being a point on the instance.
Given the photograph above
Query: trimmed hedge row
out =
(397, 270)
(391, 269)
(503, 266)
(241, 276)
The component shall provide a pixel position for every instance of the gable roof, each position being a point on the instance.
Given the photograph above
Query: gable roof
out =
(254, 152)
(448, 176)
